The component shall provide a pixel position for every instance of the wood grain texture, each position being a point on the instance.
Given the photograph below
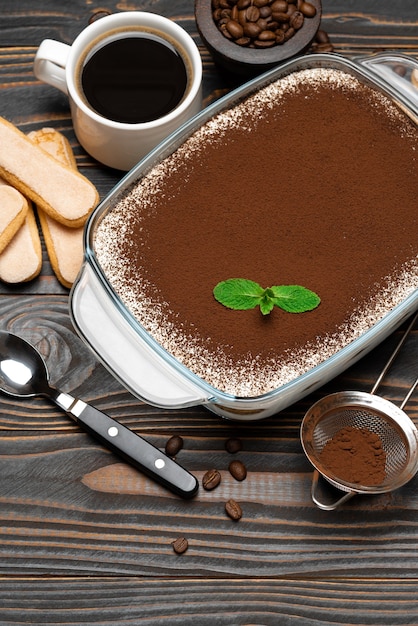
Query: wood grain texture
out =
(85, 538)
(263, 602)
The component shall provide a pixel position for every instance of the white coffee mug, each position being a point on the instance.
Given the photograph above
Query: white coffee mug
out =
(119, 144)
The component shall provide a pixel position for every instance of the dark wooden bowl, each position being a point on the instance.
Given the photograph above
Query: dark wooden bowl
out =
(251, 61)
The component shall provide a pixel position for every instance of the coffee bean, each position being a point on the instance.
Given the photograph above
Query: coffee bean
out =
(279, 6)
(322, 36)
(233, 509)
(226, 32)
(280, 17)
(238, 470)
(234, 29)
(289, 33)
(98, 14)
(252, 30)
(211, 479)
(307, 9)
(296, 21)
(267, 35)
(243, 4)
(262, 24)
(180, 545)
(252, 14)
(267, 43)
(279, 36)
(323, 47)
(265, 12)
(233, 445)
(243, 41)
(173, 445)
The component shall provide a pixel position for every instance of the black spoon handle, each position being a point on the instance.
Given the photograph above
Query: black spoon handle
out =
(130, 446)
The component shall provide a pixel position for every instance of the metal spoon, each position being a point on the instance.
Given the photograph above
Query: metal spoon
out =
(23, 373)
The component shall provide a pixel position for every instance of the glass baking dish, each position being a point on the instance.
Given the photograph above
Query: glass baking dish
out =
(129, 352)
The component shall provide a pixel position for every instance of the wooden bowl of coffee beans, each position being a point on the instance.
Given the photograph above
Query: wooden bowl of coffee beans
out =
(248, 37)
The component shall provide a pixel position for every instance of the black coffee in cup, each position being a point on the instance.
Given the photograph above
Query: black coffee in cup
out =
(135, 77)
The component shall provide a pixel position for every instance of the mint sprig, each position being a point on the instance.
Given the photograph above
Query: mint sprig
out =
(242, 294)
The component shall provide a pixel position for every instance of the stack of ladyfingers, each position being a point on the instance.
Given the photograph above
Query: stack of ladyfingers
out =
(40, 170)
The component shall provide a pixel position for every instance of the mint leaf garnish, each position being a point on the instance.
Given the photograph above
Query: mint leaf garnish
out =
(243, 294)
(238, 293)
(294, 298)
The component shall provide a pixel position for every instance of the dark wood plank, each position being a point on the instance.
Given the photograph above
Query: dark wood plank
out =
(205, 602)
(357, 27)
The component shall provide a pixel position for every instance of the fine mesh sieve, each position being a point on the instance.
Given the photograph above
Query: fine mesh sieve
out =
(361, 410)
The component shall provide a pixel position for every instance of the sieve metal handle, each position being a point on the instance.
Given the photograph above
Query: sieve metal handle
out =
(331, 506)
(409, 394)
(393, 357)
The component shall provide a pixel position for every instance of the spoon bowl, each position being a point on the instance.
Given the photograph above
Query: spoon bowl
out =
(23, 371)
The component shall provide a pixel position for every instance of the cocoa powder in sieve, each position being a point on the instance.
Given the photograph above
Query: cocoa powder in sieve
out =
(355, 455)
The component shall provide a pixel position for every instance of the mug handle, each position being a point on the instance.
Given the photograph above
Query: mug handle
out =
(50, 62)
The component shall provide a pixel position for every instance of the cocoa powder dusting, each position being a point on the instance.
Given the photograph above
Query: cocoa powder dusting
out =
(355, 455)
(313, 181)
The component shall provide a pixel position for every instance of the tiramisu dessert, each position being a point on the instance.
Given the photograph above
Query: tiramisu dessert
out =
(312, 181)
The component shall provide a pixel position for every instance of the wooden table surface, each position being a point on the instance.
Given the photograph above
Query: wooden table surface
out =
(85, 538)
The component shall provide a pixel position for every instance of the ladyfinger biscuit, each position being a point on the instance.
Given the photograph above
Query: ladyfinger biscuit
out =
(64, 245)
(13, 210)
(62, 192)
(21, 260)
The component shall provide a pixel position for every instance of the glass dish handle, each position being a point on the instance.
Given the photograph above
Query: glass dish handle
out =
(144, 373)
(396, 70)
